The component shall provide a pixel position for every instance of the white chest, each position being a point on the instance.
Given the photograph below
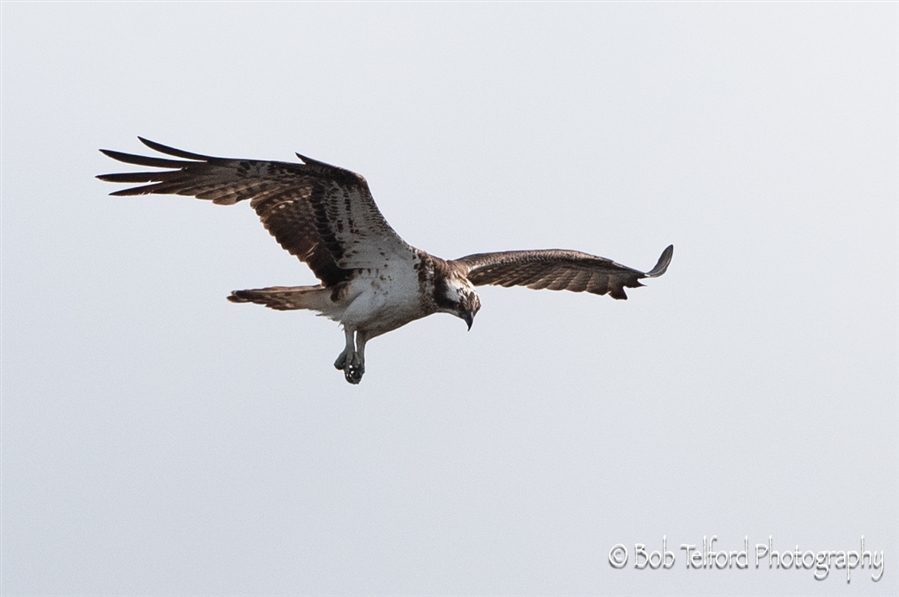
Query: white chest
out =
(380, 300)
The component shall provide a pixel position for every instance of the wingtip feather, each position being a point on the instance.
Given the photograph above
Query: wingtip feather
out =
(662, 266)
(144, 190)
(180, 153)
(311, 162)
(142, 160)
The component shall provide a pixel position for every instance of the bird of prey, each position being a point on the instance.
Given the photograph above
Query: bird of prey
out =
(372, 282)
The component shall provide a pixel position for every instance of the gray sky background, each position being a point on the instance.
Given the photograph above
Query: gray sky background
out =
(158, 440)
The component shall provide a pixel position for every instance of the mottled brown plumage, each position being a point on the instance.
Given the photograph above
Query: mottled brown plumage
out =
(317, 212)
(372, 281)
(558, 269)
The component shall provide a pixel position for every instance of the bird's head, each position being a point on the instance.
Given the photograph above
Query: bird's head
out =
(457, 296)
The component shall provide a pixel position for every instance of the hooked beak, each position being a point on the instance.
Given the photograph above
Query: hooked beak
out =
(469, 319)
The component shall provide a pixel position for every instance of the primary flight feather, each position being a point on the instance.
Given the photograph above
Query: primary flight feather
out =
(372, 281)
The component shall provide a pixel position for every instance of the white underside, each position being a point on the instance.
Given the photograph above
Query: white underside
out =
(378, 302)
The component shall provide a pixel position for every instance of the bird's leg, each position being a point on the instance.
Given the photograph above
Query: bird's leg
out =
(347, 354)
(355, 366)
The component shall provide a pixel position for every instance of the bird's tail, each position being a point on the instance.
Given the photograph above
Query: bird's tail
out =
(286, 298)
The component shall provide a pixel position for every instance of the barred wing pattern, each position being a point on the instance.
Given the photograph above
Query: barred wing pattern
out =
(558, 269)
(322, 214)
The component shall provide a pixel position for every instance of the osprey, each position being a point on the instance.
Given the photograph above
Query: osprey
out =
(372, 282)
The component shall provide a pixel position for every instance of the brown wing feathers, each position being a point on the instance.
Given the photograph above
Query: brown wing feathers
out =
(289, 198)
(556, 269)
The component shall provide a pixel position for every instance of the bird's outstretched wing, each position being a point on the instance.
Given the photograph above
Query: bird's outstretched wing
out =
(557, 269)
(323, 214)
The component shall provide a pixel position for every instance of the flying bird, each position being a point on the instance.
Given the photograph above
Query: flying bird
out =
(372, 282)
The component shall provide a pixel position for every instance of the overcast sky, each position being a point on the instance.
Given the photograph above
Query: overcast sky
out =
(159, 440)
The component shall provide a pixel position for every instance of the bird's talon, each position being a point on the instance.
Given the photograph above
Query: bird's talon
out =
(354, 374)
(354, 370)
